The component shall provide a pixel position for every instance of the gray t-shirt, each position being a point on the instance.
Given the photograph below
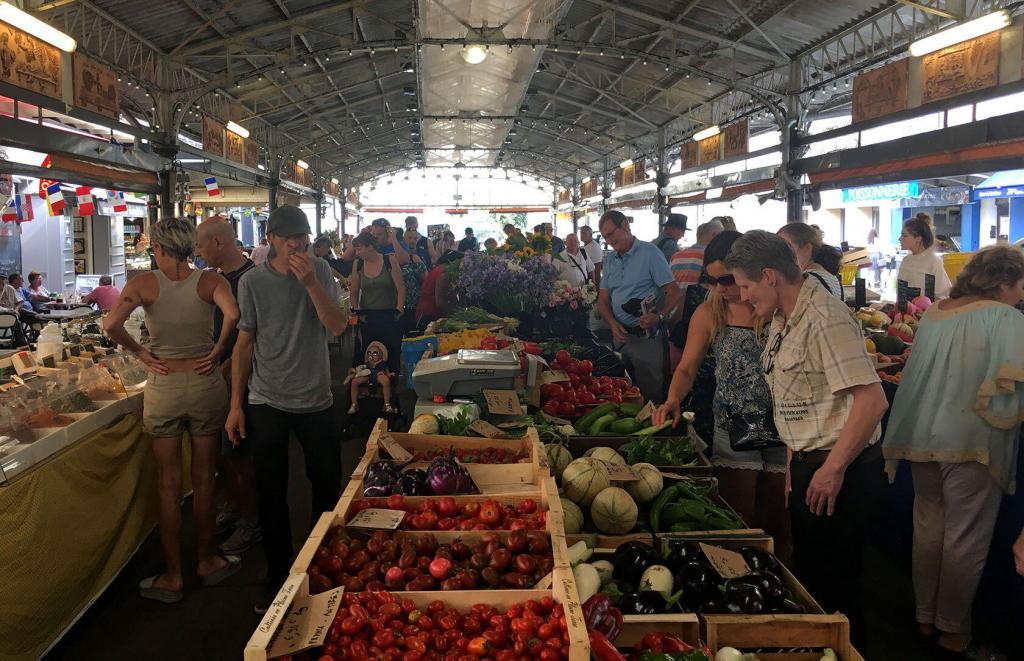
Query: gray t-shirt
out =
(290, 367)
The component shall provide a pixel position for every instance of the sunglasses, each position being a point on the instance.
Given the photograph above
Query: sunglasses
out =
(726, 280)
(769, 363)
(374, 352)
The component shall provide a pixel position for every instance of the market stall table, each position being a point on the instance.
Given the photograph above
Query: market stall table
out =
(62, 316)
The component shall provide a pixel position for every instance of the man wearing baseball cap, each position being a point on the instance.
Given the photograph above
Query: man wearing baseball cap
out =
(671, 232)
(281, 382)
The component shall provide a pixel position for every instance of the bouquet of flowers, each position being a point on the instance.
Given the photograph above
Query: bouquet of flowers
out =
(573, 298)
(505, 286)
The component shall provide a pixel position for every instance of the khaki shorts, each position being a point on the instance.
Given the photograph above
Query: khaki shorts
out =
(185, 401)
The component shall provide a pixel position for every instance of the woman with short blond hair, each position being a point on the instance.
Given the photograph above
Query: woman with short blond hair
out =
(956, 418)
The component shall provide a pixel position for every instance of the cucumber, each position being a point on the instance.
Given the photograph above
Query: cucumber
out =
(625, 425)
(584, 423)
(630, 408)
(652, 430)
(601, 423)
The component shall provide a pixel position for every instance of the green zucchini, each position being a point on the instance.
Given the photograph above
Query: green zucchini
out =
(625, 425)
(601, 423)
(630, 408)
(584, 423)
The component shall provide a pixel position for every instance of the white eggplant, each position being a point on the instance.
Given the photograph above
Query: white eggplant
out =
(657, 578)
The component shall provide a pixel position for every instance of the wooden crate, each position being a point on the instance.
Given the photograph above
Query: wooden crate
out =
(563, 590)
(783, 633)
(599, 540)
(685, 626)
(580, 444)
(492, 479)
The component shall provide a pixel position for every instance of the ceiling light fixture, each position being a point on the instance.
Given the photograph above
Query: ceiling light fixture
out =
(302, 164)
(962, 32)
(709, 132)
(626, 163)
(237, 129)
(474, 54)
(334, 180)
(32, 25)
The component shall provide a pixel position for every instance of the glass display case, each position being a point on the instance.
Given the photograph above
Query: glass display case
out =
(54, 408)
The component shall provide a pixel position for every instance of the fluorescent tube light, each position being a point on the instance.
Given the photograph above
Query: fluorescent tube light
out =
(626, 163)
(709, 132)
(962, 32)
(238, 129)
(302, 164)
(23, 21)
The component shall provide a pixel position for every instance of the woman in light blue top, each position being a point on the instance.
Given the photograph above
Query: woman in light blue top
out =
(956, 418)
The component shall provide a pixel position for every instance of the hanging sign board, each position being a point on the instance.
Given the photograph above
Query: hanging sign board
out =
(688, 155)
(30, 63)
(96, 87)
(213, 136)
(252, 153)
(881, 92)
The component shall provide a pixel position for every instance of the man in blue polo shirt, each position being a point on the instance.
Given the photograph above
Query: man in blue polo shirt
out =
(635, 270)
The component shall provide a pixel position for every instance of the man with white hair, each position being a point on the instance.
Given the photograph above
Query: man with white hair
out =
(687, 264)
(215, 243)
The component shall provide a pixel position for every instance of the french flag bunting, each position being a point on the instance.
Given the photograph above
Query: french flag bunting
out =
(10, 213)
(55, 198)
(86, 206)
(120, 206)
(212, 189)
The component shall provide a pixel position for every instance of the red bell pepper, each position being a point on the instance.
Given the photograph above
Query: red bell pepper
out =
(602, 649)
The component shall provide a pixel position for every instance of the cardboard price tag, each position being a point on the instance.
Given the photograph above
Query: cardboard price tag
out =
(306, 623)
(396, 451)
(620, 472)
(554, 419)
(75, 350)
(554, 376)
(728, 564)
(486, 429)
(48, 361)
(503, 402)
(646, 412)
(672, 476)
(88, 346)
(377, 518)
(514, 424)
(24, 363)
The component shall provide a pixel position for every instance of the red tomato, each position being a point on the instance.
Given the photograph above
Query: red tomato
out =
(586, 379)
(396, 502)
(563, 356)
(574, 380)
(446, 506)
(587, 397)
(615, 397)
(567, 409)
(490, 513)
(620, 382)
(632, 391)
(552, 407)
(470, 510)
(550, 391)
(585, 367)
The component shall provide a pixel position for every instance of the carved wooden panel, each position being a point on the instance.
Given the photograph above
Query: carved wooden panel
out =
(881, 92)
(96, 87)
(234, 147)
(688, 154)
(736, 136)
(961, 68)
(252, 153)
(711, 149)
(29, 63)
(213, 136)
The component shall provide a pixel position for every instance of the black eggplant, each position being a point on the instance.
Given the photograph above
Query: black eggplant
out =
(789, 606)
(697, 580)
(412, 485)
(746, 596)
(759, 560)
(630, 561)
(376, 492)
(381, 484)
(641, 603)
(679, 553)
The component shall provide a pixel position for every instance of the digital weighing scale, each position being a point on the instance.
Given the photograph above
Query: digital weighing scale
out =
(466, 373)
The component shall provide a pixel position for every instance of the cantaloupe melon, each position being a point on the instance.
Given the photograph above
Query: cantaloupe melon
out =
(425, 423)
(648, 486)
(573, 516)
(613, 511)
(583, 479)
(558, 457)
(606, 454)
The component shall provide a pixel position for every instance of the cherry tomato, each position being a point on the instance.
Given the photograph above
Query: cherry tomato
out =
(563, 356)
(396, 502)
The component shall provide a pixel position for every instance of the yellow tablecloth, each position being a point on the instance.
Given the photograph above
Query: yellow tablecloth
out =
(67, 527)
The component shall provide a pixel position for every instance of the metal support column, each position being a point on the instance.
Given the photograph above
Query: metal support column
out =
(344, 206)
(318, 197)
(273, 177)
(573, 197)
(607, 177)
(661, 179)
(787, 184)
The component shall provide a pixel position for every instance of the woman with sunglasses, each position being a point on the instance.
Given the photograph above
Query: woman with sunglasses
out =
(378, 292)
(753, 481)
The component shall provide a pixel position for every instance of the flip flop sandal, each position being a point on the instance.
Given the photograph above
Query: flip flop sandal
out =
(234, 563)
(147, 591)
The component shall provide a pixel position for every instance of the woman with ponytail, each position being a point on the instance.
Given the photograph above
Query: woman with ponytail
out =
(918, 237)
(816, 258)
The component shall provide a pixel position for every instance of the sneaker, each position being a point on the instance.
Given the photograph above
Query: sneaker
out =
(246, 534)
(226, 519)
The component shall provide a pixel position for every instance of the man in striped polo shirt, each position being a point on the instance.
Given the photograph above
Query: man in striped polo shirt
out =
(686, 264)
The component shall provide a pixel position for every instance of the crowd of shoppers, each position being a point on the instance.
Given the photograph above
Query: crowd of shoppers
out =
(795, 401)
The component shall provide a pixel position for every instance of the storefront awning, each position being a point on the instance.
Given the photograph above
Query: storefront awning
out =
(1007, 183)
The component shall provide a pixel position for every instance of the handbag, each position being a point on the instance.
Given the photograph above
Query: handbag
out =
(752, 430)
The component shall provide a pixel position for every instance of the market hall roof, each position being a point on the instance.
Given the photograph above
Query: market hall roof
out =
(568, 87)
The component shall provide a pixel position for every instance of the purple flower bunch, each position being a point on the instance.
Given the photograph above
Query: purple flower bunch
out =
(505, 286)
